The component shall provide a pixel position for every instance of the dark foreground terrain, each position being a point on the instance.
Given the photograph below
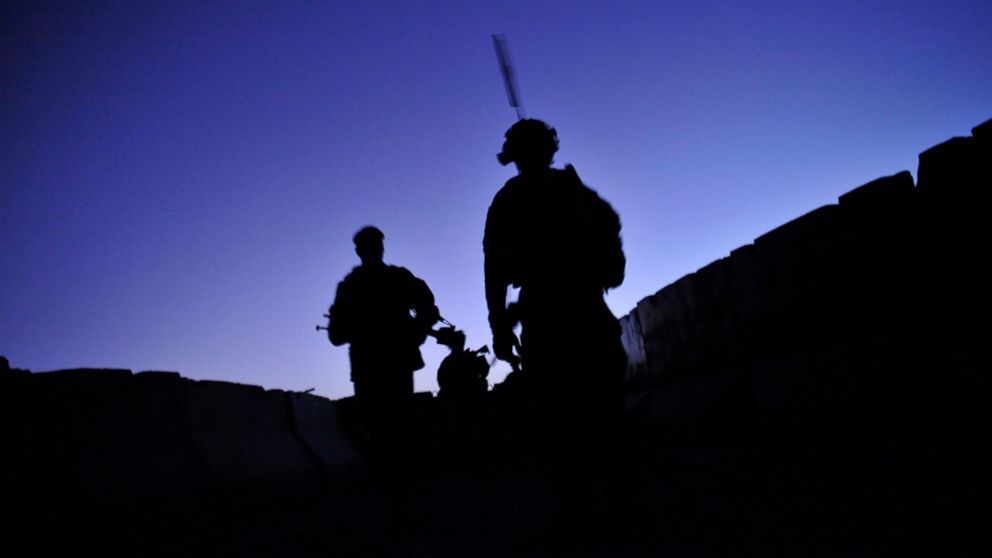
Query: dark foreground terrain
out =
(900, 501)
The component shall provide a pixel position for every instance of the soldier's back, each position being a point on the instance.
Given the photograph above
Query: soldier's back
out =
(377, 301)
(557, 232)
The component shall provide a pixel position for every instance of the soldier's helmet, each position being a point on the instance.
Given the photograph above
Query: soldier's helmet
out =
(368, 244)
(368, 236)
(531, 139)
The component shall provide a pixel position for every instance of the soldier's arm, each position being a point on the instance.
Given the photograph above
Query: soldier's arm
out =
(340, 317)
(423, 303)
(494, 247)
(615, 263)
(497, 254)
(496, 286)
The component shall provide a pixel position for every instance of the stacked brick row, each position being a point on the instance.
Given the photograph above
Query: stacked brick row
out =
(825, 327)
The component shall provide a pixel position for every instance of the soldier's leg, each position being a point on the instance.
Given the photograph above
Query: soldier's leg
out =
(399, 417)
(371, 404)
(610, 445)
(547, 359)
(596, 419)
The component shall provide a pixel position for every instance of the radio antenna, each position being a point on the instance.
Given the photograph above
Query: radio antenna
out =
(499, 41)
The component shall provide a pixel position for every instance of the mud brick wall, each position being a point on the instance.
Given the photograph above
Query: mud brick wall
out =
(861, 319)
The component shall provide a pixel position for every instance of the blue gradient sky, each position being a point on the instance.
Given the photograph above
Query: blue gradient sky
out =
(180, 183)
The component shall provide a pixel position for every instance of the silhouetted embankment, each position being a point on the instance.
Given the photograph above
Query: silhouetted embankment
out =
(858, 322)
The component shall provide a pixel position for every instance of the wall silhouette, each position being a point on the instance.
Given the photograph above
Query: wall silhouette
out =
(836, 326)
(118, 459)
(125, 457)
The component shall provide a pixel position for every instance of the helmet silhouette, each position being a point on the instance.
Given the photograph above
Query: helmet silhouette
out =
(529, 139)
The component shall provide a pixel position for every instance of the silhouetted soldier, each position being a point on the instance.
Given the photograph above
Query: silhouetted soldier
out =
(462, 374)
(384, 312)
(556, 239)
(461, 378)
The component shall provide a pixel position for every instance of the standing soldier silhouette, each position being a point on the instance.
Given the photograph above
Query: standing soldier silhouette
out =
(559, 242)
(384, 312)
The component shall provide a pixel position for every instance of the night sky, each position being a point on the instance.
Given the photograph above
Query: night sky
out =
(181, 182)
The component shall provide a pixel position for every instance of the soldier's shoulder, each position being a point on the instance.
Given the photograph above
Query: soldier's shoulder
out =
(356, 276)
(569, 177)
(587, 195)
(514, 186)
(355, 273)
(403, 278)
(510, 193)
(400, 271)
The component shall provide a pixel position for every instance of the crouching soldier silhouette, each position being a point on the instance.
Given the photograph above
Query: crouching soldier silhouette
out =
(462, 374)
(559, 242)
(384, 313)
(461, 378)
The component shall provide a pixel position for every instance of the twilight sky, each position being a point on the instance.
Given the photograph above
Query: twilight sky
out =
(179, 183)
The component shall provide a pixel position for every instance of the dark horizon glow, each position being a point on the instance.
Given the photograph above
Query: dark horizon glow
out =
(180, 183)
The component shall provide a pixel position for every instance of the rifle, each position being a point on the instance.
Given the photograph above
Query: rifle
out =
(319, 327)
